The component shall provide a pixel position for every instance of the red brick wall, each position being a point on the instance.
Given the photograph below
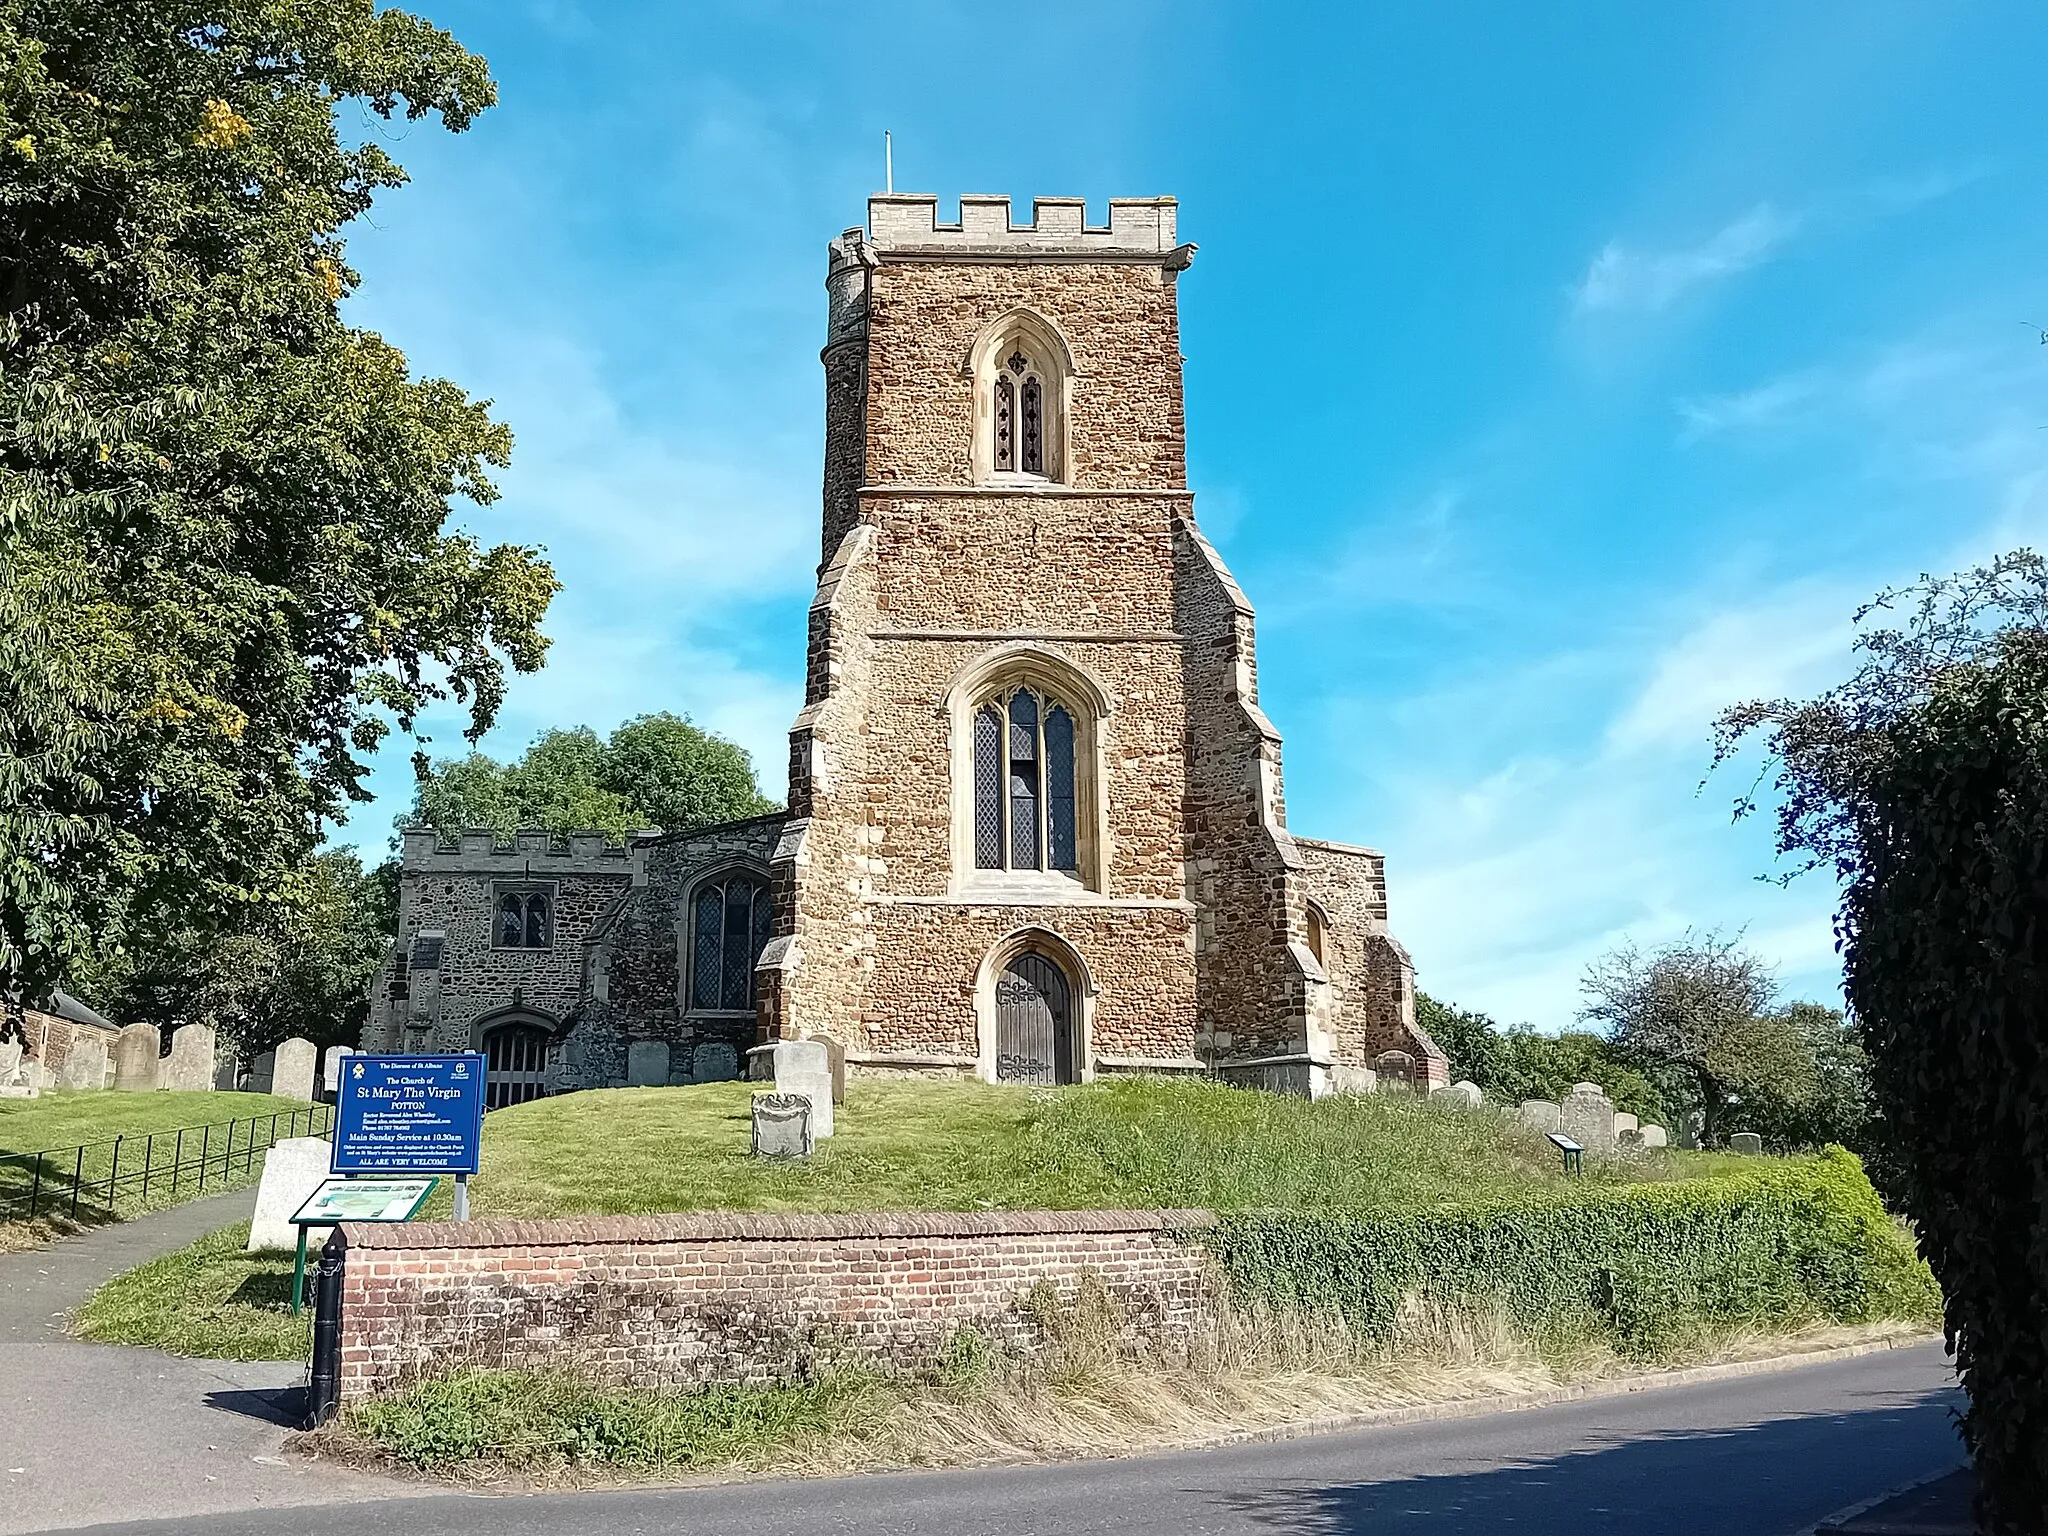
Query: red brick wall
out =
(686, 1299)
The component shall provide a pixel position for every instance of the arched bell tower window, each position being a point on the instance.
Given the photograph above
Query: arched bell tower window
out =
(1022, 367)
(1024, 813)
(525, 920)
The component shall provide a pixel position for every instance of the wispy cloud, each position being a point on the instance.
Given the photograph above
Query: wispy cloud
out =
(1766, 405)
(1623, 278)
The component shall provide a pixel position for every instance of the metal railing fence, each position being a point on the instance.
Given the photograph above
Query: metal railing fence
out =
(90, 1181)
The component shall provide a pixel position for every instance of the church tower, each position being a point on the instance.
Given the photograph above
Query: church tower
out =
(1036, 829)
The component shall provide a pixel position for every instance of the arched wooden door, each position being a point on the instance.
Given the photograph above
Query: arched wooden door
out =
(516, 1060)
(1035, 1034)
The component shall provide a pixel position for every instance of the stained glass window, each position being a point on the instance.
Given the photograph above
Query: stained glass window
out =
(730, 926)
(988, 787)
(1024, 784)
(1024, 796)
(1059, 788)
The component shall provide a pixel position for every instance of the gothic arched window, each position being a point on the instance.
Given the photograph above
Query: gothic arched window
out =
(1020, 416)
(525, 920)
(1024, 783)
(730, 918)
(1022, 368)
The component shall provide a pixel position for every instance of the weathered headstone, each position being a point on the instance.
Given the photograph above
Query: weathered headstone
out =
(330, 1069)
(801, 1066)
(1630, 1140)
(714, 1062)
(1540, 1115)
(15, 1079)
(189, 1067)
(261, 1070)
(1653, 1136)
(85, 1065)
(1747, 1143)
(782, 1125)
(227, 1072)
(11, 1053)
(291, 1072)
(138, 1055)
(1459, 1095)
(292, 1170)
(1588, 1117)
(1394, 1072)
(1623, 1121)
(835, 1057)
(647, 1064)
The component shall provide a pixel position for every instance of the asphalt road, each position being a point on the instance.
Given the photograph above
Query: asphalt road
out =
(1764, 1455)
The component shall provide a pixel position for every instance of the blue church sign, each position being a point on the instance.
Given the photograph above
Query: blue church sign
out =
(409, 1114)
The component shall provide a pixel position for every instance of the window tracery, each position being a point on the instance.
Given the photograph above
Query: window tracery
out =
(730, 920)
(525, 920)
(1024, 804)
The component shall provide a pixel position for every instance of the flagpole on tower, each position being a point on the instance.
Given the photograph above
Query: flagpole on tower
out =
(888, 163)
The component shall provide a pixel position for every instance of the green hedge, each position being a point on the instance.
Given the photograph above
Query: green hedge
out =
(1787, 1242)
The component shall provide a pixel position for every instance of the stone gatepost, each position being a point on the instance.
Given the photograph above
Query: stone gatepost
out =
(138, 1055)
(189, 1068)
(292, 1069)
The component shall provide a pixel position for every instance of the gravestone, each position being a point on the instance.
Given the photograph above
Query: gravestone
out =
(647, 1064)
(227, 1072)
(714, 1062)
(138, 1055)
(330, 1069)
(1540, 1115)
(1625, 1122)
(85, 1066)
(292, 1170)
(782, 1125)
(1588, 1117)
(291, 1070)
(16, 1080)
(1459, 1095)
(802, 1066)
(189, 1067)
(1630, 1140)
(835, 1056)
(1747, 1143)
(261, 1070)
(1654, 1137)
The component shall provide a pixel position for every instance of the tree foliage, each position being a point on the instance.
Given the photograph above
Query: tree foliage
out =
(655, 771)
(1923, 782)
(223, 566)
(1518, 1063)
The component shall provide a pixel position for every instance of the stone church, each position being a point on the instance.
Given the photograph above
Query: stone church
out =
(1035, 831)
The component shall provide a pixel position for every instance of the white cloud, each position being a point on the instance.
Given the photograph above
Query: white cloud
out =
(1621, 278)
(1766, 405)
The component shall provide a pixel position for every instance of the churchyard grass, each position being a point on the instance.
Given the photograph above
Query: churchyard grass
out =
(207, 1299)
(61, 1123)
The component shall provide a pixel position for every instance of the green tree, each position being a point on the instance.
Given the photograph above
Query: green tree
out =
(224, 573)
(1699, 1010)
(1922, 783)
(655, 771)
(1519, 1063)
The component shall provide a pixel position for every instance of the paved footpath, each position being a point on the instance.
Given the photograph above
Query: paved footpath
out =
(91, 1433)
(1763, 1455)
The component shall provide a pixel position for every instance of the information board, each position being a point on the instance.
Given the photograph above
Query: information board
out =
(409, 1114)
(340, 1200)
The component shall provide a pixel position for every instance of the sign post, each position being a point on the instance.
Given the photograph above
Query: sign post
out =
(410, 1114)
(339, 1200)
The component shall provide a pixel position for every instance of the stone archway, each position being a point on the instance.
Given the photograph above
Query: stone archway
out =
(1034, 1003)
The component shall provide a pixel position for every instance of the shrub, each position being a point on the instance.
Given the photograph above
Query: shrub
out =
(1782, 1243)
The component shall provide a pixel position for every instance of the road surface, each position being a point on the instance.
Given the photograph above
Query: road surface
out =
(1764, 1455)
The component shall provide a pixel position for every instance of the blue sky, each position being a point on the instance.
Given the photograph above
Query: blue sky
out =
(1556, 376)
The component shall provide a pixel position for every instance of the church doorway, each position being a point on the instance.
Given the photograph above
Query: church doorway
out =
(515, 1059)
(1035, 1034)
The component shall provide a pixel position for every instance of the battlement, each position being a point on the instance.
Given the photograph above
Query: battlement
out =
(533, 851)
(909, 222)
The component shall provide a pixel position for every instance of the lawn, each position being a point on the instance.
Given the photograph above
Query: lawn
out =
(224, 1138)
(211, 1298)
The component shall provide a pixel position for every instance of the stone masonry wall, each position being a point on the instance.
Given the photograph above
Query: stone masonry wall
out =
(658, 1301)
(1371, 978)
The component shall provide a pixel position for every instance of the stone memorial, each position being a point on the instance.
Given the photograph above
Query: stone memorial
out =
(782, 1125)
(189, 1067)
(1540, 1115)
(714, 1062)
(802, 1066)
(292, 1170)
(260, 1072)
(835, 1055)
(1629, 1140)
(1654, 1137)
(647, 1064)
(1624, 1121)
(85, 1066)
(1746, 1143)
(1458, 1095)
(16, 1078)
(227, 1073)
(291, 1071)
(330, 1069)
(138, 1059)
(1588, 1117)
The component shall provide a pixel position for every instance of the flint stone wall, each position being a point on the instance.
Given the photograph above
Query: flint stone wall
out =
(657, 1301)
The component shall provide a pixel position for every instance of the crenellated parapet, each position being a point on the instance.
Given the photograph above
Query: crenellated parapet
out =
(530, 852)
(1142, 228)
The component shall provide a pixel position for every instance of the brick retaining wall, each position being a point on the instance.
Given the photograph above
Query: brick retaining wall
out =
(682, 1300)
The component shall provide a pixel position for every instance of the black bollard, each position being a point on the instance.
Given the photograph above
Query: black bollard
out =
(324, 1387)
